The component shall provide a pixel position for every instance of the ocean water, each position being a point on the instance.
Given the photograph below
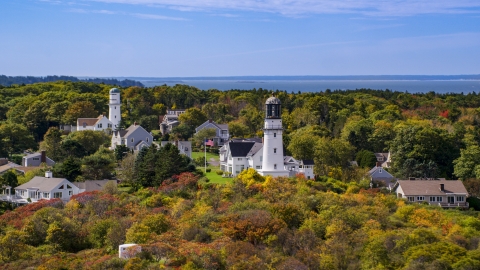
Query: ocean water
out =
(411, 86)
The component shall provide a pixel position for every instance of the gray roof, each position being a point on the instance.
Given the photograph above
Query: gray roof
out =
(431, 187)
(256, 147)
(42, 183)
(223, 126)
(33, 155)
(92, 185)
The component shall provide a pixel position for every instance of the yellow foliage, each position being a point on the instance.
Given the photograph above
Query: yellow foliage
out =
(428, 218)
(250, 176)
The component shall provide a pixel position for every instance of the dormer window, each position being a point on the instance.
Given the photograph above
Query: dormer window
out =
(274, 150)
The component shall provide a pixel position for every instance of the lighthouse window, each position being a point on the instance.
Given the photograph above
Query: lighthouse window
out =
(274, 150)
(275, 166)
(115, 107)
(274, 134)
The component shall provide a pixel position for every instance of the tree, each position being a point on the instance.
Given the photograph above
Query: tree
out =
(331, 153)
(99, 165)
(366, 159)
(121, 151)
(193, 117)
(16, 138)
(81, 109)
(183, 132)
(237, 130)
(126, 171)
(201, 135)
(90, 140)
(70, 168)
(302, 143)
(52, 141)
(468, 163)
(9, 179)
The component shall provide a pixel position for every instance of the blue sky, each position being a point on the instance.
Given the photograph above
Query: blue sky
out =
(234, 38)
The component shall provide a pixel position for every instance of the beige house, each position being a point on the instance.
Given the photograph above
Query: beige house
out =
(444, 193)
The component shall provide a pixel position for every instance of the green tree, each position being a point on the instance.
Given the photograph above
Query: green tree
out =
(332, 153)
(302, 143)
(81, 109)
(201, 135)
(90, 140)
(70, 168)
(468, 163)
(9, 178)
(366, 159)
(16, 138)
(52, 143)
(237, 129)
(193, 117)
(99, 165)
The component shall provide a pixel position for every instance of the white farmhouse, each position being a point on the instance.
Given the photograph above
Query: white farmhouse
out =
(97, 124)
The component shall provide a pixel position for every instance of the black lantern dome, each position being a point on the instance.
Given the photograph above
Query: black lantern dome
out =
(273, 108)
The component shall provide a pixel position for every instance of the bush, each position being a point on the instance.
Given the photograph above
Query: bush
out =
(219, 172)
(208, 170)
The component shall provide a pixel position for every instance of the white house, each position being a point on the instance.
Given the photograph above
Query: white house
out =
(45, 188)
(102, 122)
(97, 124)
(384, 159)
(221, 130)
(441, 192)
(306, 167)
(134, 137)
(185, 147)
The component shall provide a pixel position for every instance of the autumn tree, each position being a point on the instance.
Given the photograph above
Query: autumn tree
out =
(80, 109)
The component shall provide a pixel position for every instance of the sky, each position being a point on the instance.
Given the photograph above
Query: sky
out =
(179, 38)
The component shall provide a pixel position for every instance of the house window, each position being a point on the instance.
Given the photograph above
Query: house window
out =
(61, 187)
(380, 170)
(69, 187)
(439, 199)
(420, 198)
(57, 195)
(147, 139)
(115, 116)
(274, 150)
(109, 125)
(275, 166)
(261, 158)
(274, 135)
(460, 198)
(411, 199)
(70, 192)
(239, 159)
(432, 199)
(46, 195)
(84, 125)
(36, 158)
(258, 167)
(131, 140)
(99, 125)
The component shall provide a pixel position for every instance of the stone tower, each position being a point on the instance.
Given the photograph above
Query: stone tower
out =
(272, 163)
(114, 115)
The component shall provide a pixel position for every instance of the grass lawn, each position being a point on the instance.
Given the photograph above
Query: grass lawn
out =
(212, 175)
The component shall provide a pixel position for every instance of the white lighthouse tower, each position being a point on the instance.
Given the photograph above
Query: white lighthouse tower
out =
(114, 115)
(272, 163)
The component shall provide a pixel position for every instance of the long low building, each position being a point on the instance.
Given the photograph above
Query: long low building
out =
(440, 192)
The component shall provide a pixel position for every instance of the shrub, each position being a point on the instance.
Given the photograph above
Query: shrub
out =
(219, 172)
(208, 170)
